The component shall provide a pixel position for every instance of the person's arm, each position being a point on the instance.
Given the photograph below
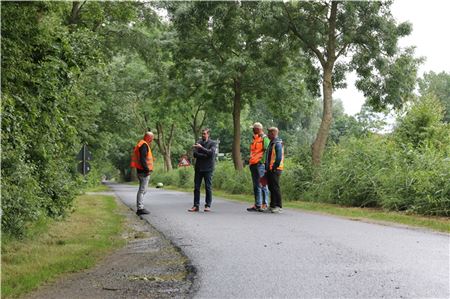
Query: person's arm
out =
(208, 152)
(266, 142)
(199, 155)
(143, 150)
(278, 154)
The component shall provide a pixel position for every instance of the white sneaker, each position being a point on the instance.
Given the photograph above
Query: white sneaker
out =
(277, 210)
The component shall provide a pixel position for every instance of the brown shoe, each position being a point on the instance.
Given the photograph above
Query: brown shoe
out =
(207, 209)
(193, 209)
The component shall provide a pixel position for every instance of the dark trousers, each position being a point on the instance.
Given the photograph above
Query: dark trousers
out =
(273, 181)
(199, 176)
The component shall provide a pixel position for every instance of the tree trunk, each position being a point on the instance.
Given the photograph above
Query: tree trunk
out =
(198, 119)
(322, 135)
(167, 161)
(75, 13)
(236, 148)
(165, 145)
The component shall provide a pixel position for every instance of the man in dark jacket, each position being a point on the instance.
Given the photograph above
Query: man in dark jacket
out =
(204, 151)
(274, 168)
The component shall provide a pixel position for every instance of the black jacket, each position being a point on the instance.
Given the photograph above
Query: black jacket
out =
(205, 157)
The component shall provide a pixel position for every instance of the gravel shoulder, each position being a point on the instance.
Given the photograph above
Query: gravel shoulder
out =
(149, 266)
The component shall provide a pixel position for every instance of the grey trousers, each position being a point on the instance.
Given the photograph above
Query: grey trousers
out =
(143, 184)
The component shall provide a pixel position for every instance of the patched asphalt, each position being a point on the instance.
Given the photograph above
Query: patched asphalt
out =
(240, 254)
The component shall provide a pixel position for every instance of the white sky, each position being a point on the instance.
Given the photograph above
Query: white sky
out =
(430, 35)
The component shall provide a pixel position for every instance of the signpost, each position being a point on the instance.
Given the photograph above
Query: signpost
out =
(184, 161)
(84, 155)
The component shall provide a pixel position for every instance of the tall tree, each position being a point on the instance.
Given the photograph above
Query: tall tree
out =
(439, 85)
(47, 50)
(342, 36)
(226, 38)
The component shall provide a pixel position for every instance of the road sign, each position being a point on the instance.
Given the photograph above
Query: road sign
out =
(84, 155)
(84, 167)
(184, 161)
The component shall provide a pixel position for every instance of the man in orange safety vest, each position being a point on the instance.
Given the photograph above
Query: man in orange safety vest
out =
(256, 164)
(142, 160)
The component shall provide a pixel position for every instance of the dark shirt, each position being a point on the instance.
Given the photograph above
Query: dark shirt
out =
(205, 157)
(276, 144)
(143, 150)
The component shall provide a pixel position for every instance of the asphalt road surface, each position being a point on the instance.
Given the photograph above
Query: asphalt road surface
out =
(240, 254)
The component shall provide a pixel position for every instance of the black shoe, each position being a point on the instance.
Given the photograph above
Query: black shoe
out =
(142, 212)
(254, 209)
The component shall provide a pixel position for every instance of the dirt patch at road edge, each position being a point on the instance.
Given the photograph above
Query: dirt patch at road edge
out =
(149, 266)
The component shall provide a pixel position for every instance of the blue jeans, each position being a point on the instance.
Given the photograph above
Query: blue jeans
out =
(261, 192)
(199, 176)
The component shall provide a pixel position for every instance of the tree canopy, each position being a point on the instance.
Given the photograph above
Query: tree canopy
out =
(103, 73)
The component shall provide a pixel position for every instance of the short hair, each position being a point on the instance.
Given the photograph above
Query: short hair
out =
(273, 129)
(149, 134)
(207, 130)
(257, 125)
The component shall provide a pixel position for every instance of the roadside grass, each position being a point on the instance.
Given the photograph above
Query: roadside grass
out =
(55, 247)
(440, 224)
(99, 188)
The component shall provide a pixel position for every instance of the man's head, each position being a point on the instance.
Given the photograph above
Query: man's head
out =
(148, 137)
(205, 134)
(272, 133)
(257, 128)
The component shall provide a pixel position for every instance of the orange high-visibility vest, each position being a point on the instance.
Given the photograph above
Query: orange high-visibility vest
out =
(136, 157)
(273, 157)
(257, 149)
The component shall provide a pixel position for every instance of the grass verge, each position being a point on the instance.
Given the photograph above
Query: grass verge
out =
(440, 224)
(56, 247)
(99, 188)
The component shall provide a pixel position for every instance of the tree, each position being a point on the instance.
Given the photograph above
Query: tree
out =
(439, 85)
(48, 49)
(343, 36)
(227, 41)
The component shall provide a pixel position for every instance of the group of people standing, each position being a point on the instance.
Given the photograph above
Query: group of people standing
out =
(266, 163)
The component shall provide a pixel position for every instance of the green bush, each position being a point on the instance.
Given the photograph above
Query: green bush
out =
(417, 181)
(292, 179)
(349, 171)
(406, 171)
(185, 177)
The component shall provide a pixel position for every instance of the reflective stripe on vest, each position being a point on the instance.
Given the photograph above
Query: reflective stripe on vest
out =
(136, 157)
(274, 155)
(257, 149)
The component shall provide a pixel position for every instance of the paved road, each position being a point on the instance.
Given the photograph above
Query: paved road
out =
(297, 255)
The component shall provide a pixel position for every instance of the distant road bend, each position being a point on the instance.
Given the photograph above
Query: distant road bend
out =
(296, 254)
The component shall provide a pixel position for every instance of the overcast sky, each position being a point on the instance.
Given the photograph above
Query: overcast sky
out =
(431, 23)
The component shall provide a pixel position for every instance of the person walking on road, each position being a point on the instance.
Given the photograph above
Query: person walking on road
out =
(142, 160)
(257, 168)
(204, 151)
(274, 165)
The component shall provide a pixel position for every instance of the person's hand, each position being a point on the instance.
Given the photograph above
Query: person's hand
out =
(197, 145)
